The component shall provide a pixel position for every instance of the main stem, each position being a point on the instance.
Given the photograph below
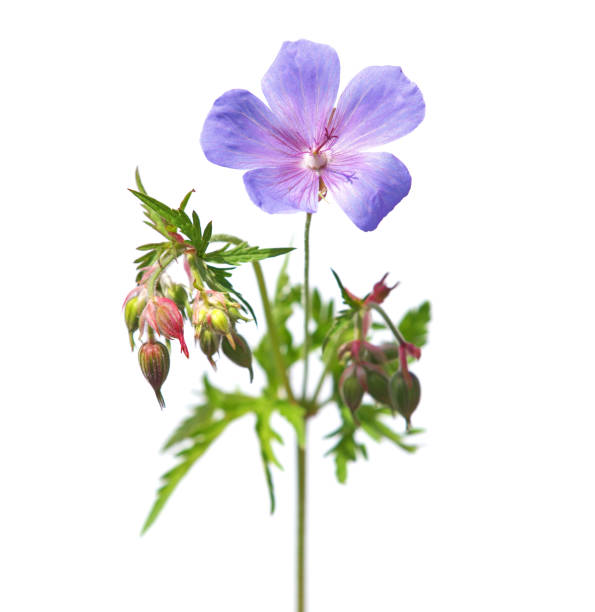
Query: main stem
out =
(301, 450)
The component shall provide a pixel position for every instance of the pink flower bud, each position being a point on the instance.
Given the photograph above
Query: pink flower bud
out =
(380, 291)
(153, 358)
(165, 318)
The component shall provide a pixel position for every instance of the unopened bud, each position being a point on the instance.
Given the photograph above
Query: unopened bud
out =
(351, 387)
(240, 354)
(165, 318)
(153, 358)
(405, 392)
(209, 344)
(220, 321)
(178, 295)
(377, 383)
(132, 310)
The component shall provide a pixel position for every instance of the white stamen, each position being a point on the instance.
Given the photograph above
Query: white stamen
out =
(315, 161)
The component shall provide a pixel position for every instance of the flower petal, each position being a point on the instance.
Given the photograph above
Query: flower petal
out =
(241, 132)
(301, 88)
(379, 105)
(367, 186)
(285, 189)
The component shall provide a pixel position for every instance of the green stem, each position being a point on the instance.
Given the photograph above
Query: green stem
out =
(162, 263)
(397, 334)
(306, 303)
(301, 450)
(301, 523)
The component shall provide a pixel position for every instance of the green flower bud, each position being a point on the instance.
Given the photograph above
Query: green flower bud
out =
(220, 321)
(405, 392)
(351, 388)
(132, 311)
(177, 293)
(209, 344)
(153, 358)
(240, 355)
(378, 386)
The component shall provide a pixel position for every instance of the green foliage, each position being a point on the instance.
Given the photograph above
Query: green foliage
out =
(185, 235)
(368, 418)
(414, 325)
(283, 304)
(209, 420)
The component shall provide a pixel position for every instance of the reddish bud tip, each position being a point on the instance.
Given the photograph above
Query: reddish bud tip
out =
(380, 291)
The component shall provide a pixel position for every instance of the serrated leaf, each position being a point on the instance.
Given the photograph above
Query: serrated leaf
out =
(243, 253)
(172, 478)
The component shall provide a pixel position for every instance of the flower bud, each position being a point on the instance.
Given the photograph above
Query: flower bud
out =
(209, 344)
(153, 358)
(377, 383)
(165, 318)
(133, 305)
(177, 293)
(405, 391)
(220, 321)
(352, 386)
(132, 310)
(240, 354)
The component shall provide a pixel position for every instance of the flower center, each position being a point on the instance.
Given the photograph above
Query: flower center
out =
(315, 161)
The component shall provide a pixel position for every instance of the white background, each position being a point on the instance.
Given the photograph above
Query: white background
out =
(495, 512)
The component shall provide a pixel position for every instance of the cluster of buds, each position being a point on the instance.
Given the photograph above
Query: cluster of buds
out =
(158, 306)
(160, 311)
(214, 317)
(371, 368)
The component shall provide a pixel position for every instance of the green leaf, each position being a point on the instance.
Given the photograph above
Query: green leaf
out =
(295, 415)
(172, 478)
(184, 202)
(139, 183)
(285, 298)
(369, 417)
(414, 325)
(347, 298)
(208, 421)
(243, 253)
(266, 436)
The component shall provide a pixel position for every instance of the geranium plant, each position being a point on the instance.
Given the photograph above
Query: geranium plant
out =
(303, 148)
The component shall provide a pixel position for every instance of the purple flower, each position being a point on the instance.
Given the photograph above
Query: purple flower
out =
(303, 147)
